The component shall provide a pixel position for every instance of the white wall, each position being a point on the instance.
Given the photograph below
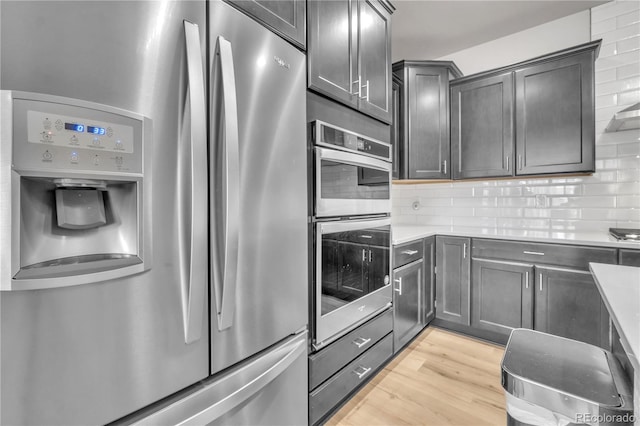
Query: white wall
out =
(549, 37)
(608, 198)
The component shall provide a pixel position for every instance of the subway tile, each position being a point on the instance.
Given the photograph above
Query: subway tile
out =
(607, 164)
(481, 222)
(614, 61)
(556, 190)
(629, 149)
(437, 190)
(607, 100)
(629, 163)
(606, 176)
(628, 19)
(631, 44)
(628, 201)
(579, 202)
(435, 201)
(604, 26)
(516, 202)
(611, 214)
(629, 97)
(497, 212)
(617, 35)
(607, 50)
(608, 112)
(442, 211)
(434, 220)
(582, 225)
(566, 213)
(523, 223)
(613, 137)
(628, 175)
(628, 224)
(612, 188)
(605, 76)
(474, 202)
(613, 9)
(537, 213)
(606, 151)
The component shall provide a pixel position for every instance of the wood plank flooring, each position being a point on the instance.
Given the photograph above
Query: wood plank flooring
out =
(441, 378)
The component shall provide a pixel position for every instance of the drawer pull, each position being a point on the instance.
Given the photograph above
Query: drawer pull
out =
(363, 371)
(366, 236)
(526, 279)
(409, 252)
(361, 341)
(399, 289)
(537, 253)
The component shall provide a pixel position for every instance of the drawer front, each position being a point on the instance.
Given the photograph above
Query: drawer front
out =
(629, 257)
(577, 257)
(368, 237)
(329, 360)
(404, 254)
(334, 390)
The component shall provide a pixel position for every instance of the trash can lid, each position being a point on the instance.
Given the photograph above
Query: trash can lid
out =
(564, 366)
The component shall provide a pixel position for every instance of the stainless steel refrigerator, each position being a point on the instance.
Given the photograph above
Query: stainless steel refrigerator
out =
(153, 225)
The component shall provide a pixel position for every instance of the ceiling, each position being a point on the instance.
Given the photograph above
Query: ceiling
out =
(437, 28)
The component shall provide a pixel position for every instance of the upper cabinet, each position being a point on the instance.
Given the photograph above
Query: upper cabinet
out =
(349, 53)
(285, 17)
(422, 135)
(531, 118)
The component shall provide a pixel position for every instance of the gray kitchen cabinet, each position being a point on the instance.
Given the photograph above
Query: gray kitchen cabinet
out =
(407, 302)
(428, 293)
(453, 267)
(555, 119)
(396, 126)
(501, 296)
(482, 127)
(568, 304)
(349, 53)
(629, 257)
(424, 143)
(287, 18)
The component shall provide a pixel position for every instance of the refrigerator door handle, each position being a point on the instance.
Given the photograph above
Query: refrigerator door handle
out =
(195, 248)
(225, 262)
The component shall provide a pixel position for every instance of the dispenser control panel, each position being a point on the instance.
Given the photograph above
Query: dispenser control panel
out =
(76, 136)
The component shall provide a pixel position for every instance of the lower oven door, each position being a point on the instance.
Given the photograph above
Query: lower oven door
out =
(348, 184)
(352, 275)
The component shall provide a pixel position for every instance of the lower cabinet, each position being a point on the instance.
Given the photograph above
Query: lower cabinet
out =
(568, 304)
(629, 257)
(336, 371)
(453, 279)
(501, 296)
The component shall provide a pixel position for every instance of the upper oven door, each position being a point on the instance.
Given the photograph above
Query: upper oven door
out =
(349, 184)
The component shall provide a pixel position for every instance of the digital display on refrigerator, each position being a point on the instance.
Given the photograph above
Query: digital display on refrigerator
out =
(96, 130)
(74, 127)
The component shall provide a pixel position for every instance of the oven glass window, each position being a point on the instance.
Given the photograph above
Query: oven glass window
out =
(354, 264)
(347, 181)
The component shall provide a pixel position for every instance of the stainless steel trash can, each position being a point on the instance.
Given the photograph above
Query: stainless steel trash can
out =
(550, 380)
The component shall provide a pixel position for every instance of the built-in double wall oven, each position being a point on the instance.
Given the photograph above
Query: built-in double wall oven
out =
(352, 227)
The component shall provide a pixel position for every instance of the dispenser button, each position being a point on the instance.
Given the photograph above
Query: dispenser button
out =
(47, 156)
(74, 157)
(119, 161)
(46, 123)
(96, 141)
(73, 140)
(47, 136)
(119, 145)
(96, 160)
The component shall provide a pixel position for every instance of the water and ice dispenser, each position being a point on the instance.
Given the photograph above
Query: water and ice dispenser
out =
(75, 192)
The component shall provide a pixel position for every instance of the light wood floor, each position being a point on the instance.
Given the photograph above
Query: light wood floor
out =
(441, 378)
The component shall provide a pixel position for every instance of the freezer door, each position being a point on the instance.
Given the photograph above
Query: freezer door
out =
(258, 187)
(93, 353)
(269, 389)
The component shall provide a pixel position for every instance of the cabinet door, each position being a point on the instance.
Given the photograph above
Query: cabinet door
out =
(452, 279)
(501, 296)
(331, 52)
(482, 128)
(352, 259)
(374, 59)
(377, 267)
(407, 312)
(287, 18)
(428, 289)
(568, 304)
(629, 257)
(555, 116)
(427, 123)
(396, 126)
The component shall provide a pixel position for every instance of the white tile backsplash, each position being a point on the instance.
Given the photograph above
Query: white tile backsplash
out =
(608, 198)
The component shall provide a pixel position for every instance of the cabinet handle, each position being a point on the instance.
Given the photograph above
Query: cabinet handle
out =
(445, 166)
(464, 251)
(366, 236)
(357, 82)
(526, 279)
(364, 256)
(369, 256)
(537, 253)
(362, 373)
(361, 341)
(366, 97)
(409, 252)
(399, 289)
(520, 162)
(540, 281)
(507, 163)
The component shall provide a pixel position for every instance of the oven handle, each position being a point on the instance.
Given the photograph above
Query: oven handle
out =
(349, 158)
(352, 225)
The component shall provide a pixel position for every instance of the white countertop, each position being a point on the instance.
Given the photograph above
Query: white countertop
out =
(405, 233)
(620, 290)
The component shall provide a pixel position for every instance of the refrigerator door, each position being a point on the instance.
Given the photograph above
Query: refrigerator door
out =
(260, 391)
(258, 188)
(93, 353)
